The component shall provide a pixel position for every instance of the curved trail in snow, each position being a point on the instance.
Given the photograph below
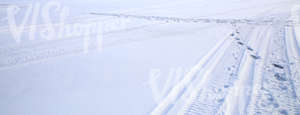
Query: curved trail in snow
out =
(237, 100)
(180, 88)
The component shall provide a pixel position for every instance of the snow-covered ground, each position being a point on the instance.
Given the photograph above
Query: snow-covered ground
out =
(137, 57)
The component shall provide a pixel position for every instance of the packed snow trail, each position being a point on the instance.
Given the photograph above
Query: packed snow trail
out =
(180, 88)
(293, 53)
(199, 102)
(246, 92)
(209, 101)
(237, 100)
(259, 72)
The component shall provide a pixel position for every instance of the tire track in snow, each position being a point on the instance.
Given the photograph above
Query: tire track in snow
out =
(207, 72)
(237, 100)
(200, 100)
(293, 56)
(277, 92)
(293, 53)
(167, 103)
(258, 73)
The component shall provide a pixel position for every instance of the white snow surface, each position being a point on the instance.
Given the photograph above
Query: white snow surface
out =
(153, 63)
